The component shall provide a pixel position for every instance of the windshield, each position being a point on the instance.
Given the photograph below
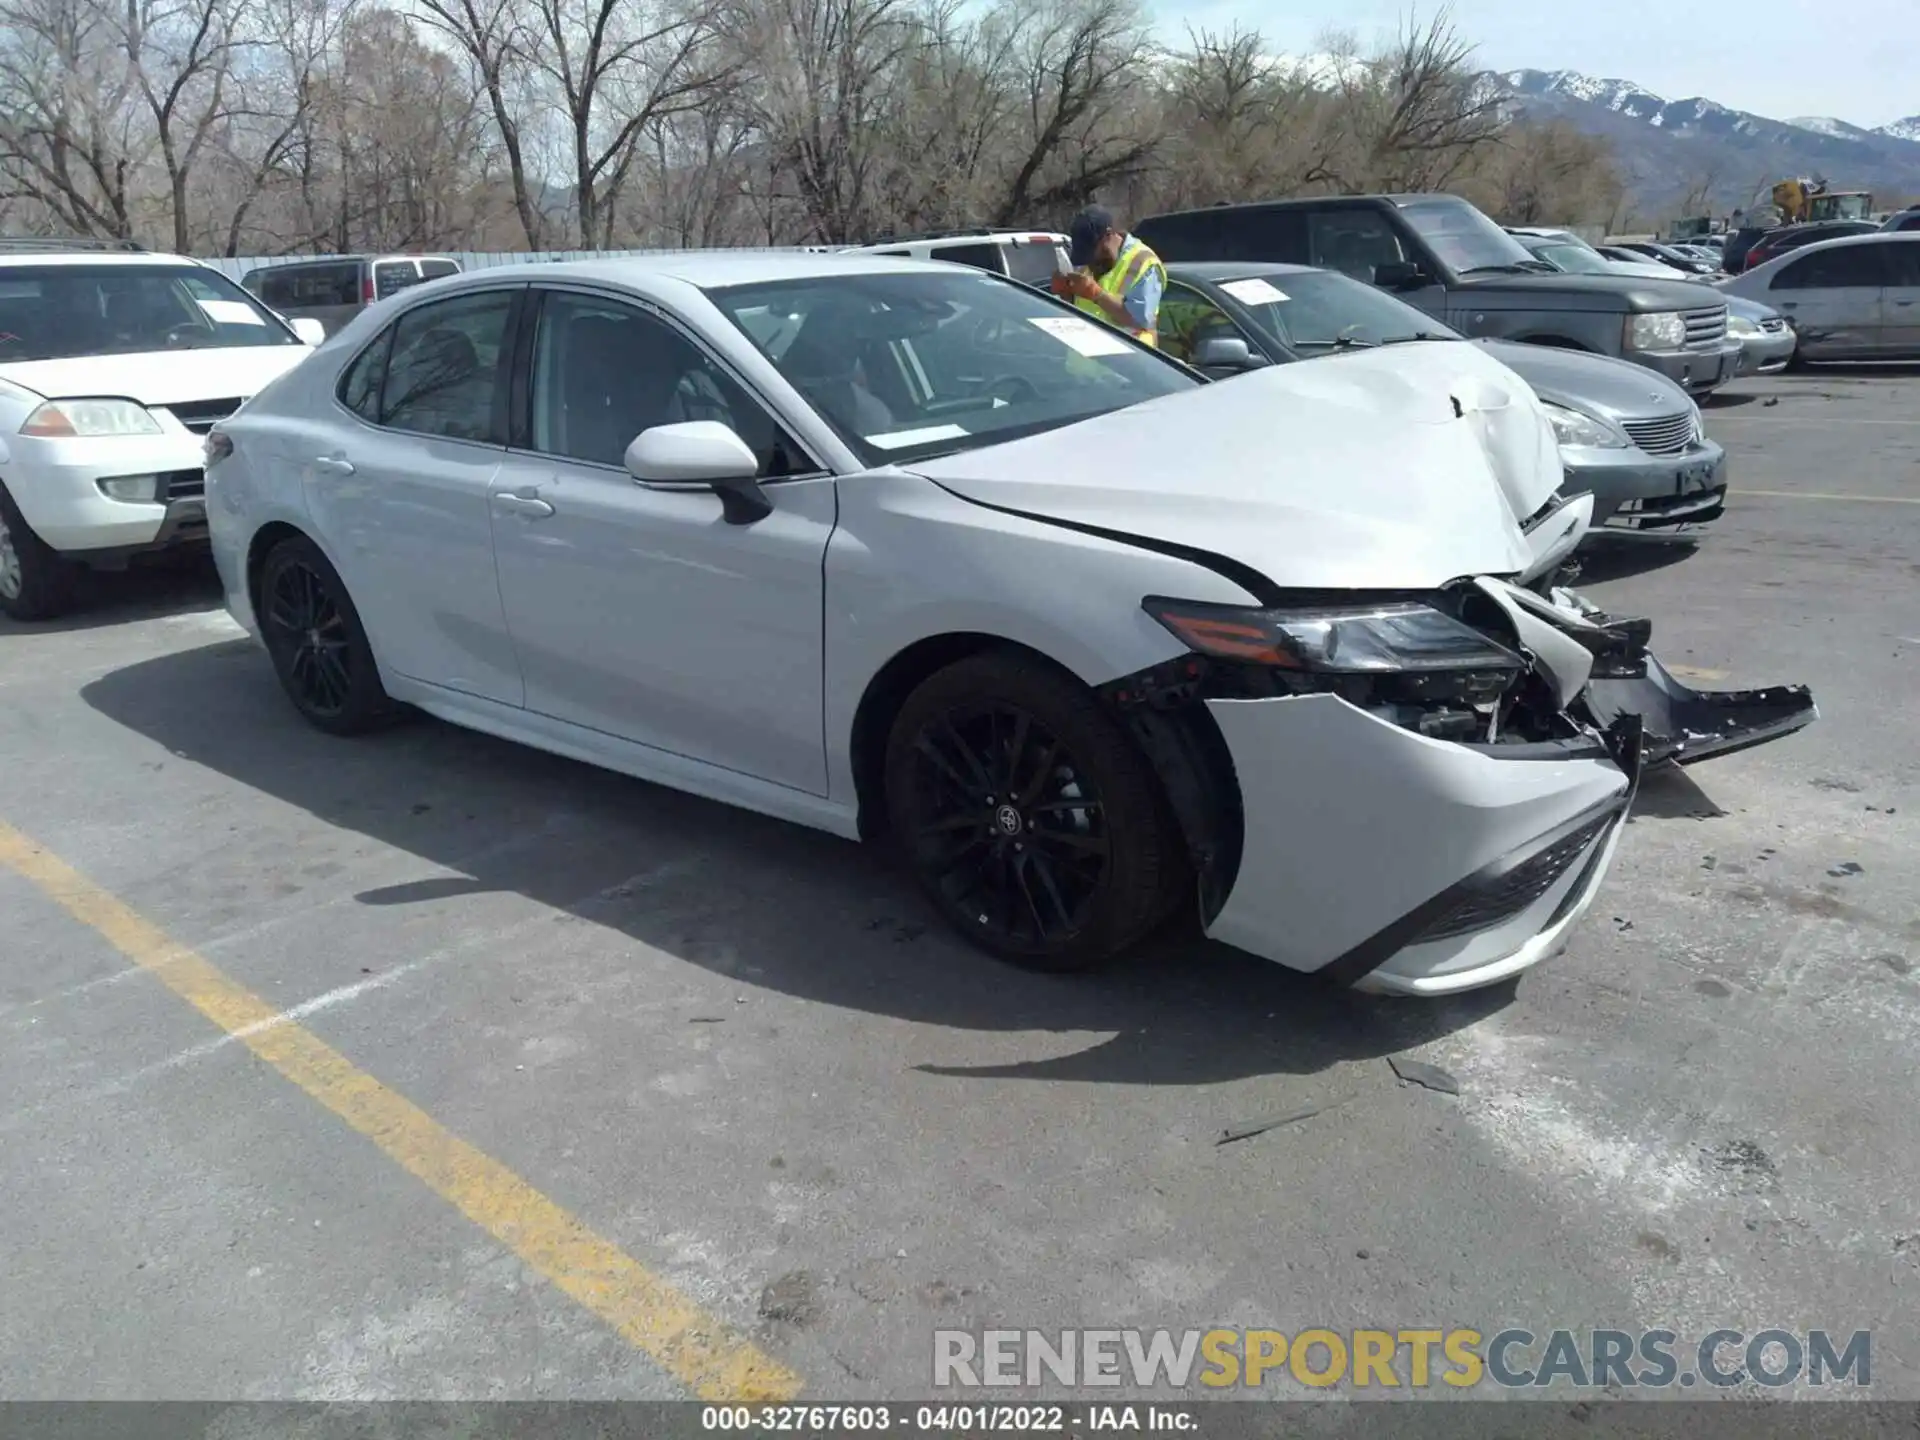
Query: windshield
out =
(1314, 310)
(1463, 239)
(1574, 259)
(909, 366)
(57, 312)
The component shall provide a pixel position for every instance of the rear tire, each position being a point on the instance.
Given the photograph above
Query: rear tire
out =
(36, 581)
(318, 647)
(1027, 816)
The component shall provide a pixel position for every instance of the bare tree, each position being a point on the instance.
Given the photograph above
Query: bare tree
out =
(496, 42)
(71, 141)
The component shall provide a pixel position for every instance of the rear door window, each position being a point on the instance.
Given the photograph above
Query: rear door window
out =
(444, 377)
(437, 269)
(1902, 259)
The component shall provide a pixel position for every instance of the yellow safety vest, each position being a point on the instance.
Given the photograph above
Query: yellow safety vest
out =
(1135, 261)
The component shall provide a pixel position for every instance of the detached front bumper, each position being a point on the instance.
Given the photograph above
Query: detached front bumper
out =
(1633, 490)
(1392, 862)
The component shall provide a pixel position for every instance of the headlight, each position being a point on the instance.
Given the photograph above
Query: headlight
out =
(1662, 330)
(1388, 638)
(82, 419)
(1740, 325)
(1570, 427)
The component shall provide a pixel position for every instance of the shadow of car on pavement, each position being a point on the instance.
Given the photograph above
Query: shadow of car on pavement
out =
(760, 901)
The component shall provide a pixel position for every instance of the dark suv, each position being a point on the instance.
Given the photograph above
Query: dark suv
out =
(1439, 253)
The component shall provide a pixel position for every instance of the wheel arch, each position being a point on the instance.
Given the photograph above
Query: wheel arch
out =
(262, 545)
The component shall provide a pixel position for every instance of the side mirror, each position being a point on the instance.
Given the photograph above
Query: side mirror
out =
(1223, 352)
(701, 455)
(1399, 275)
(310, 331)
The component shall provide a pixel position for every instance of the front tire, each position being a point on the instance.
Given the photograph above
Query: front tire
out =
(1027, 816)
(36, 581)
(318, 646)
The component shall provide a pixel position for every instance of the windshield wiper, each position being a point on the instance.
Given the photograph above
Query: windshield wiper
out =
(1416, 335)
(1341, 342)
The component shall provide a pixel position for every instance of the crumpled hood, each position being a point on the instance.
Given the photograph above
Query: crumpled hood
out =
(163, 377)
(1397, 468)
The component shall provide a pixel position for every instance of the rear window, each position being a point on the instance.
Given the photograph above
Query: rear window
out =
(1035, 263)
(390, 277)
(1229, 233)
(311, 286)
(983, 256)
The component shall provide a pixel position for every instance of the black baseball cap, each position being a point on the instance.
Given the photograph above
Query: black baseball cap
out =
(1088, 229)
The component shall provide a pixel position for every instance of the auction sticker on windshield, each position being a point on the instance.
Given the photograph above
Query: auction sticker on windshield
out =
(1253, 292)
(230, 312)
(1083, 335)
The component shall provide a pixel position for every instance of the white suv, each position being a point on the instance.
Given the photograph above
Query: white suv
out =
(1032, 257)
(114, 364)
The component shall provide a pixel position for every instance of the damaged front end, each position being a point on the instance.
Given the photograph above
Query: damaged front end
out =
(1416, 793)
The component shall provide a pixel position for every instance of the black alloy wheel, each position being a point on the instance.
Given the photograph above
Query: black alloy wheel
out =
(1027, 815)
(318, 646)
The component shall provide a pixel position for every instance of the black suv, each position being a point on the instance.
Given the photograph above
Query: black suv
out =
(1439, 253)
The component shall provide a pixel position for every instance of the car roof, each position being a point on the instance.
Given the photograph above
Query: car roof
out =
(129, 258)
(1872, 237)
(702, 269)
(1219, 271)
(1433, 197)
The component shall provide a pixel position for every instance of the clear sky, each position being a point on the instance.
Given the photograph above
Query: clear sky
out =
(1858, 60)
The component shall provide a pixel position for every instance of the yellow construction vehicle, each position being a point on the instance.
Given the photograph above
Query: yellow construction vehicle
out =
(1802, 199)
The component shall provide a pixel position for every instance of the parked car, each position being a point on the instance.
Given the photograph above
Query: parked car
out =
(1631, 440)
(1576, 257)
(1733, 255)
(1786, 238)
(1671, 256)
(1766, 341)
(888, 547)
(335, 289)
(1856, 298)
(114, 363)
(1032, 257)
(1903, 220)
(1441, 255)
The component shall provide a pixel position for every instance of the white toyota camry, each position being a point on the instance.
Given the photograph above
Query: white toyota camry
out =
(907, 551)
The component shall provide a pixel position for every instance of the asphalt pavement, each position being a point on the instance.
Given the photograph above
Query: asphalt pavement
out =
(426, 1066)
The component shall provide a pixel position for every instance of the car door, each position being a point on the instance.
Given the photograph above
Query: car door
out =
(1900, 297)
(1833, 299)
(400, 485)
(638, 611)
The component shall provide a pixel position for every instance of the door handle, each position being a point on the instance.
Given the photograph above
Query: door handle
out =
(531, 506)
(333, 464)
(1903, 302)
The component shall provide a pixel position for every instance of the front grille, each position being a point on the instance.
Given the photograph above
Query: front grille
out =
(1519, 888)
(1706, 327)
(1773, 325)
(1667, 435)
(183, 484)
(201, 416)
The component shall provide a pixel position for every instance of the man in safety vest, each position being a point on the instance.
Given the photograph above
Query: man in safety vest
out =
(1115, 276)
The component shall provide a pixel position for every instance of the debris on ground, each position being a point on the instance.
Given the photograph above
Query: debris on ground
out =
(1419, 1072)
(1288, 1117)
(1848, 867)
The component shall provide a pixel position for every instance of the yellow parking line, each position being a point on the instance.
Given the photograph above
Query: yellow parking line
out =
(645, 1309)
(1827, 495)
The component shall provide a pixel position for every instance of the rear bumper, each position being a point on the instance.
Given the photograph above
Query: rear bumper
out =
(1389, 861)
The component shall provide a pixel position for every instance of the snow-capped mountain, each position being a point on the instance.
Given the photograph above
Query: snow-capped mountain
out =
(1671, 147)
